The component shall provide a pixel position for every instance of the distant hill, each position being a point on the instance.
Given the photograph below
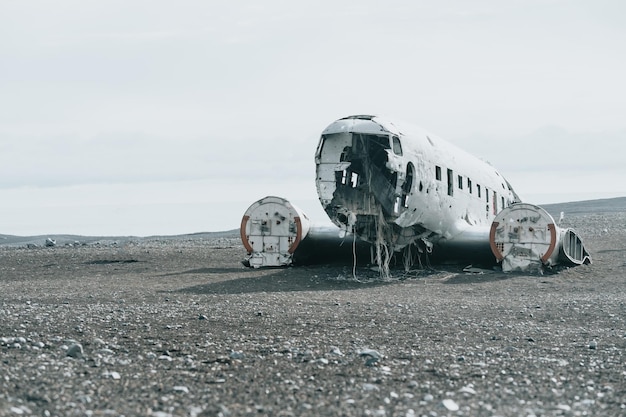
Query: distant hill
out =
(607, 205)
(62, 240)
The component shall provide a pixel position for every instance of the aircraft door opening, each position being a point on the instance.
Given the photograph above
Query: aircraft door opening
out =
(408, 184)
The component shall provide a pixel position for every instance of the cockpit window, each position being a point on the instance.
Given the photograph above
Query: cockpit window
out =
(397, 147)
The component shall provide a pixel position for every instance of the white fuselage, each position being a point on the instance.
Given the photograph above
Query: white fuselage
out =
(399, 183)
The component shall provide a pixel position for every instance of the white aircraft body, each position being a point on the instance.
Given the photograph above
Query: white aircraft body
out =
(402, 188)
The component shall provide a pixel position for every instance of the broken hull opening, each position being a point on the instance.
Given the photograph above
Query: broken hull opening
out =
(359, 184)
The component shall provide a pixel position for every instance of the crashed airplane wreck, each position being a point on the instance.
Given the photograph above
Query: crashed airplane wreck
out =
(400, 190)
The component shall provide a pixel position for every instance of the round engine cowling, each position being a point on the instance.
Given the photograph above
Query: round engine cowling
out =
(524, 237)
(271, 230)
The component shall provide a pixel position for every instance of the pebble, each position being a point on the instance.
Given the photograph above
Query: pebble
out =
(450, 404)
(75, 350)
(336, 351)
(181, 388)
(371, 353)
(372, 356)
(238, 355)
(468, 390)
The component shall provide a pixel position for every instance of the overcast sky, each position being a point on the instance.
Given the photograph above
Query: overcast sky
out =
(163, 117)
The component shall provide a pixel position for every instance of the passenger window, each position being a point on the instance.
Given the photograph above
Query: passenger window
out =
(438, 173)
(495, 203)
(397, 146)
(460, 182)
(478, 189)
(469, 185)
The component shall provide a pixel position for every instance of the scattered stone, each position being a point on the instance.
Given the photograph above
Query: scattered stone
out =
(593, 344)
(50, 242)
(370, 353)
(161, 414)
(450, 404)
(372, 356)
(75, 350)
(336, 351)
(468, 389)
(237, 355)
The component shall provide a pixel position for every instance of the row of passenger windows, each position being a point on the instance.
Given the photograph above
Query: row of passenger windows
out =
(470, 187)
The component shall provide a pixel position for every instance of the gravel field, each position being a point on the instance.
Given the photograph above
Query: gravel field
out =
(178, 327)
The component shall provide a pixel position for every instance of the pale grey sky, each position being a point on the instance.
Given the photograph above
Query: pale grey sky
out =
(112, 106)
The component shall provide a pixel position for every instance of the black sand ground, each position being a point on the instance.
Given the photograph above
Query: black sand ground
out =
(178, 327)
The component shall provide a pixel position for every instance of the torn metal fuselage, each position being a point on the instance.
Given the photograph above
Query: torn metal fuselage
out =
(402, 186)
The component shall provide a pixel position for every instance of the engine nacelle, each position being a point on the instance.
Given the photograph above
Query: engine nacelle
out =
(524, 237)
(271, 230)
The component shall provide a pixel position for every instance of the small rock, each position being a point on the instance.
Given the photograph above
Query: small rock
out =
(181, 388)
(468, 390)
(372, 356)
(75, 350)
(450, 405)
(50, 242)
(237, 355)
(335, 351)
(370, 352)
(593, 344)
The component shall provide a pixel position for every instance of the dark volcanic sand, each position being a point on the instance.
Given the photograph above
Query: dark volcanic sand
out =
(179, 327)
